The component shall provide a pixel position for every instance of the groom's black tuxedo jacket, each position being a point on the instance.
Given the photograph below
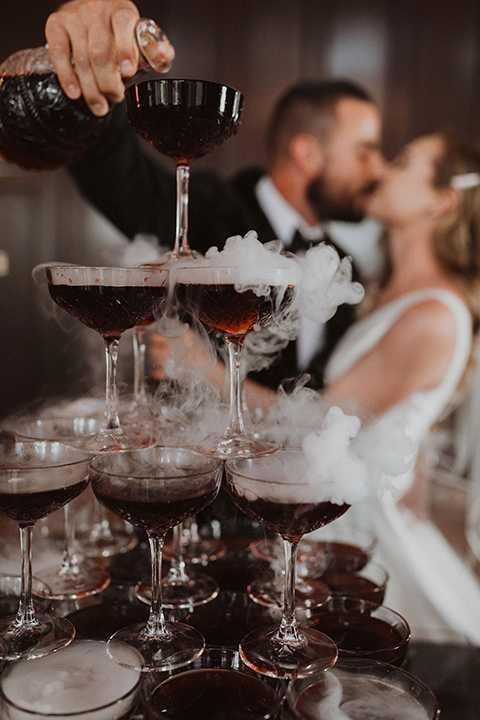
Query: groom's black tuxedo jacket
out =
(136, 190)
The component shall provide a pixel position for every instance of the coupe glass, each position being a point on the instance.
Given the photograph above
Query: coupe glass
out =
(217, 685)
(363, 629)
(362, 688)
(36, 478)
(110, 301)
(346, 546)
(222, 298)
(155, 489)
(78, 683)
(274, 490)
(369, 583)
(77, 576)
(184, 120)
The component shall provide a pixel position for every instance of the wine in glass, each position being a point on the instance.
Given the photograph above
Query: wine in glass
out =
(155, 489)
(36, 478)
(226, 299)
(216, 685)
(184, 120)
(358, 688)
(274, 490)
(77, 576)
(110, 301)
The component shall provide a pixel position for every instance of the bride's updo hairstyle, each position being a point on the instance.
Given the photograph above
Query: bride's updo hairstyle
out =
(457, 236)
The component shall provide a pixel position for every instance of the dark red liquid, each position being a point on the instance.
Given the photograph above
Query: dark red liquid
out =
(40, 127)
(183, 119)
(108, 310)
(212, 694)
(343, 556)
(28, 507)
(153, 511)
(362, 635)
(290, 520)
(224, 308)
(356, 586)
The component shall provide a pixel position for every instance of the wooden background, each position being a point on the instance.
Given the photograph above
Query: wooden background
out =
(419, 58)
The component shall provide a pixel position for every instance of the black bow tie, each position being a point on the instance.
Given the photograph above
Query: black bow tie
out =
(301, 243)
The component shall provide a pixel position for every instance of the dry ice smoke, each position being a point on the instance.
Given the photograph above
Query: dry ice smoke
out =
(350, 462)
(323, 281)
(326, 283)
(347, 460)
(56, 684)
(256, 263)
(348, 697)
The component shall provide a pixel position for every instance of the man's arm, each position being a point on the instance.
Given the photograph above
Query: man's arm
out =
(125, 184)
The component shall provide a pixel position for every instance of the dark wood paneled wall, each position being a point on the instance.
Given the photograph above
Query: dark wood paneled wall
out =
(419, 58)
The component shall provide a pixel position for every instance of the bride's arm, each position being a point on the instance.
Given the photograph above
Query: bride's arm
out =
(413, 355)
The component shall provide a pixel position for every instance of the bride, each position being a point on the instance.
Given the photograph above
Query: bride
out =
(410, 357)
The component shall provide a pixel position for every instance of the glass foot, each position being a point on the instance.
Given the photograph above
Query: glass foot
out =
(265, 652)
(75, 581)
(198, 589)
(48, 634)
(309, 593)
(268, 549)
(235, 446)
(104, 541)
(120, 440)
(178, 646)
(198, 552)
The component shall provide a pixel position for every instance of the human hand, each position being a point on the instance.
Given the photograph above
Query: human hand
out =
(158, 350)
(98, 36)
(191, 352)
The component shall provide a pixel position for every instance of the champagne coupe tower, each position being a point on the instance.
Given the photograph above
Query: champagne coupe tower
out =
(184, 120)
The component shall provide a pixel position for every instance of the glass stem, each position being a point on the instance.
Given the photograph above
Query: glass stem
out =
(139, 354)
(287, 631)
(101, 527)
(112, 421)
(26, 611)
(156, 626)
(177, 572)
(181, 231)
(70, 558)
(236, 425)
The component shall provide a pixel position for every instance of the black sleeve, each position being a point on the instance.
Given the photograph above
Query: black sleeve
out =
(122, 180)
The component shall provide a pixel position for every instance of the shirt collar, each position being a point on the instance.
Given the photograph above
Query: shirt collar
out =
(283, 218)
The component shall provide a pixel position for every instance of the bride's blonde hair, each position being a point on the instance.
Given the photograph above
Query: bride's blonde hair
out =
(457, 236)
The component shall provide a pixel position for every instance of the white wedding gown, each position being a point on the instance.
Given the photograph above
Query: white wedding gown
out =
(430, 585)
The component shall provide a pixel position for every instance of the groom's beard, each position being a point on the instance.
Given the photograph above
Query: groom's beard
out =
(341, 204)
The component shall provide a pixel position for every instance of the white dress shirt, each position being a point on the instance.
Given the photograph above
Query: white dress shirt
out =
(285, 221)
